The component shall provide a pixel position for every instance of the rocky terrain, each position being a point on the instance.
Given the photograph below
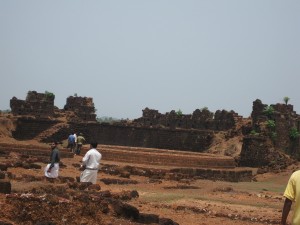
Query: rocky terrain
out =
(131, 192)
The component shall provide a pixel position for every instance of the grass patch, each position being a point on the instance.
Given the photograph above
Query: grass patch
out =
(259, 186)
(239, 202)
(162, 197)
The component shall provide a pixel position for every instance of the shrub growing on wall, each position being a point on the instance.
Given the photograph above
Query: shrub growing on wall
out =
(179, 112)
(49, 95)
(271, 124)
(269, 110)
(294, 133)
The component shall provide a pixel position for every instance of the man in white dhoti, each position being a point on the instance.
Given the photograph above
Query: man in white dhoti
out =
(90, 164)
(51, 170)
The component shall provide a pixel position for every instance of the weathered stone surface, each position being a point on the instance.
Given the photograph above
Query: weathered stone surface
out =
(166, 221)
(83, 107)
(148, 218)
(2, 175)
(5, 186)
(200, 119)
(125, 210)
(36, 104)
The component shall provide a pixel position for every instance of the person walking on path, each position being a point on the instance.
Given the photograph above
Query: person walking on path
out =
(71, 142)
(80, 142)
(291, 194)
(52, 169)
(90, 164)
(75, 146)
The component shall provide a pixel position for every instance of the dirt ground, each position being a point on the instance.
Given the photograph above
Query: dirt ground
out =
(198, 202)
(187, 202)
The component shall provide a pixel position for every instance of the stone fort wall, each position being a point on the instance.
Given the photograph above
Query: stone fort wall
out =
(41, 105)
(200, 119)
(189, 140)
(36, 104)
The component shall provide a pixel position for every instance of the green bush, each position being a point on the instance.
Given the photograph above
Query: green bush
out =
(269, 110)
(271, 124)
(253, 132)
(49, 95)
(294, 133)
(273, 136)
(179, 112)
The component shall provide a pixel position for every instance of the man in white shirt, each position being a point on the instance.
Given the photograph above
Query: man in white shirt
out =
(90, 164)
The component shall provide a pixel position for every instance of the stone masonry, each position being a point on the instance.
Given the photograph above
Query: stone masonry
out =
(36, 104)
(269, 146)
(199, 119)
(83, 107)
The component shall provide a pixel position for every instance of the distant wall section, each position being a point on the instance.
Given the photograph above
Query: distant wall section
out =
(189, 140)
(200, 119)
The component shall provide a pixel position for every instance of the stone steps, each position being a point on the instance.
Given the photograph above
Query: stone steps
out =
(135, 155)
(162, 157)
(183, 164)
(33, 150)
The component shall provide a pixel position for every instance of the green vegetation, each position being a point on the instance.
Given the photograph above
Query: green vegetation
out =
(254, 133)
(106, 119)
(49, 95)
(75, 95)
(179, 112)
(273, 135)
(269, 110)
(163, 197)
(5, 111)
(294, 133)
(271, 124)
(286, 100)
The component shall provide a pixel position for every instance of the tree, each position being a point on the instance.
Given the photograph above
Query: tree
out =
(286, 100)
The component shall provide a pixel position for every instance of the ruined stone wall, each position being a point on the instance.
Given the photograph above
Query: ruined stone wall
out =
(190, 140)
(147, 137)
(285, 119)
(212, 174)
(268, 146)
(258, 112)
(200, 119)
(29, 128)
(259, 152)
(36, 104)
(83, 107)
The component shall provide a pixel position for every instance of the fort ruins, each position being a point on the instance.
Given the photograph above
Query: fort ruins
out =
(180, 140)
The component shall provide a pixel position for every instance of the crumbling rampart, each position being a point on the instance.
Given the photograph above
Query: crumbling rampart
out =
(36, 104)
(270, 140)
(41, 105)
(83, 107)
(200, 119)
(190, 140)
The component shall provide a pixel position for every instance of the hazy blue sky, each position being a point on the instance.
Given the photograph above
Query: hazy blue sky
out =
(161, 54)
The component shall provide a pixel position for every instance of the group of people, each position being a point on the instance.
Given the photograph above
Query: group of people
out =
(90, 163)
(75, 143)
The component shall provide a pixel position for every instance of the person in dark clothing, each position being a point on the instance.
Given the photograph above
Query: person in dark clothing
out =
(52, 169)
